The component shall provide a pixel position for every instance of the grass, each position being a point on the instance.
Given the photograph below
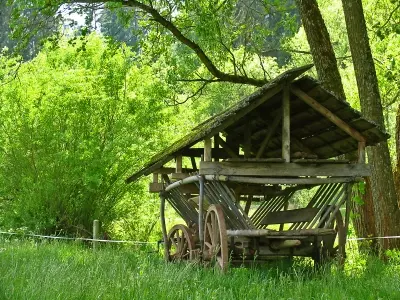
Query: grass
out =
(57, 270)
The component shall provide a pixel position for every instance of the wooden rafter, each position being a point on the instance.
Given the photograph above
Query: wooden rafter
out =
(328, 114)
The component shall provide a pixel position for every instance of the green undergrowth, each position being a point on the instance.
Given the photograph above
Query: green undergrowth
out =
(58, 270)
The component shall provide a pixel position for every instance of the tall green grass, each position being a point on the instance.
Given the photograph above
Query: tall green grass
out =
(57, 270)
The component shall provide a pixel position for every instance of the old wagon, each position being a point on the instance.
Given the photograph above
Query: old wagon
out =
(248, 162)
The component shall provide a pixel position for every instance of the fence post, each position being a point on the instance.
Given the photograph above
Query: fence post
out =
(96, 229)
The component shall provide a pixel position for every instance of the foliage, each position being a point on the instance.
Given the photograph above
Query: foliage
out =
(73, 125)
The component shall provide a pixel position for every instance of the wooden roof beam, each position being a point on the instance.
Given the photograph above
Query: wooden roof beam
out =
(328, 114)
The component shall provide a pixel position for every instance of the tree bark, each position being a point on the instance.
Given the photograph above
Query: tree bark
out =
(328, 72)
(320, 46)
(387, 212)
(364, 219)
(397, 171)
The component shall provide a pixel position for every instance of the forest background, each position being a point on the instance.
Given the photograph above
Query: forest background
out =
(82, 106)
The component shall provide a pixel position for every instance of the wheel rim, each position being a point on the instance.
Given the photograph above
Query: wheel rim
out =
(215, 247)
(180, 243)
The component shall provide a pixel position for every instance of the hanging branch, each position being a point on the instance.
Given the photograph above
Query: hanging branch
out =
(157, 17)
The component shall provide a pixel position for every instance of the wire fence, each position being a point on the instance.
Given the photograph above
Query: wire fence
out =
(78, 239)
(149, 243)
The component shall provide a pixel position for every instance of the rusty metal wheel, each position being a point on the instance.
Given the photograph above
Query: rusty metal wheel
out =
(215, 248)
(180, 243)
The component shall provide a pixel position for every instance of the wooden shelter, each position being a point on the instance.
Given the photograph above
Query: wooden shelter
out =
(285, 137)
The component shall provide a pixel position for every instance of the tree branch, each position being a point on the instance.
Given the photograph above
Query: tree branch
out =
(157, 17)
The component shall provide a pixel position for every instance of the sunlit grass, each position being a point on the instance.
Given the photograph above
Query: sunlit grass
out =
(56, 270)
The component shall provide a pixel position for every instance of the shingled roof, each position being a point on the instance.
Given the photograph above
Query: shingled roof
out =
(309, 129)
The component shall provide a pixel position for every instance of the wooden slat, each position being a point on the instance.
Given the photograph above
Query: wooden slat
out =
(290, 216)
(282, 169)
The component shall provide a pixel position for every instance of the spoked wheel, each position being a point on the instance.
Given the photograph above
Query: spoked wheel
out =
(215, 248)
(180, 243)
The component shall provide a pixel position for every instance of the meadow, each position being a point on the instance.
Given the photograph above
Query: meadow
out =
(33, 269)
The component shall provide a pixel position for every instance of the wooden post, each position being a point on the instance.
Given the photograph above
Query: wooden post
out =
(155, 177)
(163, 225)
(216, 144)
(96, 230)
(201, 212)
(361, 152)
(207, 149)
(178, 168)
(286, 125)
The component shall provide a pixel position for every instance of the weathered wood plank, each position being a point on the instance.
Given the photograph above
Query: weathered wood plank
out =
(283, 180)
(282, 169)
(275, 160)
(277, 234)
(320, 161)
(290, 216)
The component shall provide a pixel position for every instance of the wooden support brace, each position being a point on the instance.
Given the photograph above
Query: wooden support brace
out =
(328, 114)
(193, 161)
(228, 149)
(270, 132)
(248, 204)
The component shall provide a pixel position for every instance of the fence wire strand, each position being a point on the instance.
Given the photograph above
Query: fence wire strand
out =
(78, 239)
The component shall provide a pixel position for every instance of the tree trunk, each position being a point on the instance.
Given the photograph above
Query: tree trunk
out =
(320, 47)
(364, 219)
(387, 212)
(397, 171)
(328, 72)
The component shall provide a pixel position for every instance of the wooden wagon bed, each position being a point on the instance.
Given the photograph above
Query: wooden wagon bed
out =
(257, 156)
